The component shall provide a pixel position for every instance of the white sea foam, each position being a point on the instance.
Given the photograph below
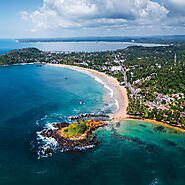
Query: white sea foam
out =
(37, 123)
(44, 117)
(105, 85)
(47, 142)
(117, 104)
(111, 94)
(111, 91)
(20, 64)
(98, 79)
(155, 182)
(50, 126)
(23, 64)
(107, 107)
(51, 143)
(84, 147)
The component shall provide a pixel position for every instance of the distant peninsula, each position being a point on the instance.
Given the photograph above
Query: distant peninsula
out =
(138, 39)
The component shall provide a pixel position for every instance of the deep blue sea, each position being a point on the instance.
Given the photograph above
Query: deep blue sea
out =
(132, 153)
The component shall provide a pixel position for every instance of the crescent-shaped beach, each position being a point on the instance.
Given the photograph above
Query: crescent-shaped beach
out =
(117, 92)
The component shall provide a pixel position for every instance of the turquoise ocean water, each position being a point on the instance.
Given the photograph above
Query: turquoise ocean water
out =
(129, 153)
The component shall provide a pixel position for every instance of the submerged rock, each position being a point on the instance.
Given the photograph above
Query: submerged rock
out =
(160, 129)
(170, 143)
(128, 138)
(118, 124)
(143, 125)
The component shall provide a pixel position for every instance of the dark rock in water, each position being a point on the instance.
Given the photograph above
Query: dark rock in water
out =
(48, 133)
(170, 143)
(118, 124)
(150, 148)
(48, 151)
(131, 139)
(143, 125)
(149, 131)
(64, 144)
(160, 129)
(137, 140)
(173, 132)
(93, 116)
(109, 111)
(74, 144)
(181, 149)
(60, 125)
(113, 130)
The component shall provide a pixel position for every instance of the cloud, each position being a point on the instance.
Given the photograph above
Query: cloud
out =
(176, 13)
(175, 7)
(74, 14)
(24, 15)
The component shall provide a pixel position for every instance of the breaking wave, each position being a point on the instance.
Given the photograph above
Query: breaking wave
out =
(47, 146)
(111, 93)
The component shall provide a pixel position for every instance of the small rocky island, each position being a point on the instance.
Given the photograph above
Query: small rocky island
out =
(69, 136)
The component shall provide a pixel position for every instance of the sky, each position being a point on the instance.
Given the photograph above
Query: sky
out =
(74, 18)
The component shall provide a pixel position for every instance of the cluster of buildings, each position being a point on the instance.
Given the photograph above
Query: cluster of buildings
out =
(162, 101)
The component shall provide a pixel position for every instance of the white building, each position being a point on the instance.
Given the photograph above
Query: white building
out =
(116, 68)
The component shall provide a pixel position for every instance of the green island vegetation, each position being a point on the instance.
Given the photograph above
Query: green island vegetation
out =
(77, 129)
(74, 129)
(153, 76)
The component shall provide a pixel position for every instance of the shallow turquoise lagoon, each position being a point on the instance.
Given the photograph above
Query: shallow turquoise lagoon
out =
(129, 153)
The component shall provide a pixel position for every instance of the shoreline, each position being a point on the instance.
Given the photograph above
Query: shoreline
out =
(166, 125)
(117, 92)
(19, 64)
(120, 114)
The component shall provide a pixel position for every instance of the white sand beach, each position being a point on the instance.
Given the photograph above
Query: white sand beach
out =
(117, 92)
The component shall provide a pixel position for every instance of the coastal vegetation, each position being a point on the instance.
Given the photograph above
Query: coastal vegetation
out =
(80, 129)
(154, 76)
(74, 129)
(70, 136)
(25, 55)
